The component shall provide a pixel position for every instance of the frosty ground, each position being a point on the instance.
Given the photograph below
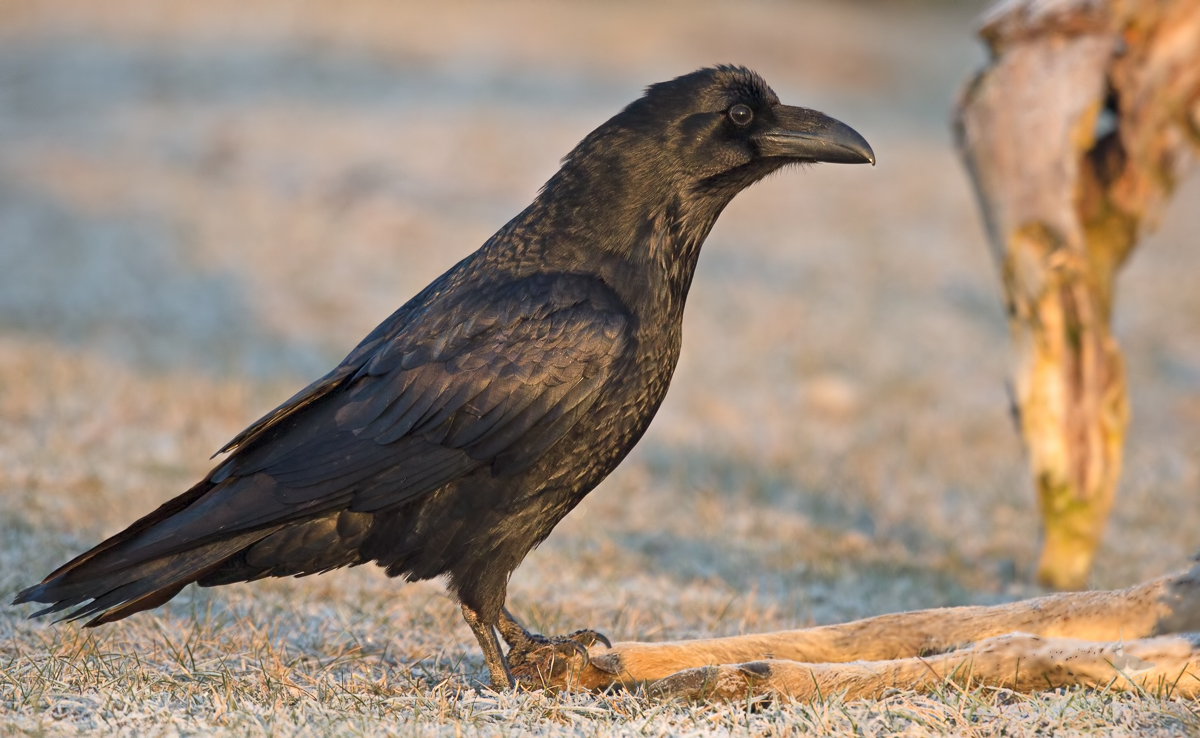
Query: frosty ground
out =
(204, 206)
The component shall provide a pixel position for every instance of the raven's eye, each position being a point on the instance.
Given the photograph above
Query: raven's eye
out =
(741, 115)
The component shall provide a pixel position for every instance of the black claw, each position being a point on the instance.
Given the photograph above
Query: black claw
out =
(589, 637)
(573, 645)
(565, 646)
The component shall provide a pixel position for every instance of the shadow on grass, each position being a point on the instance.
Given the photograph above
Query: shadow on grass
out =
(798, 542)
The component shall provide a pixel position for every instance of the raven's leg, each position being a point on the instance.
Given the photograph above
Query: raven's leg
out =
(523, 644)
(485, 633)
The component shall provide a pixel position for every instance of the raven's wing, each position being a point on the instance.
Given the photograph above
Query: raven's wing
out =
(492, 376)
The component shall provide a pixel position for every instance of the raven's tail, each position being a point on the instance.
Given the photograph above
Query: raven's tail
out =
(120, 577)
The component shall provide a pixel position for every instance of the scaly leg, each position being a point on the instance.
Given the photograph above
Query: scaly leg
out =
(485, 633)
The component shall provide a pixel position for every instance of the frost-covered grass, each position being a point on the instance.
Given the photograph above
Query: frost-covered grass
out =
(202, 206)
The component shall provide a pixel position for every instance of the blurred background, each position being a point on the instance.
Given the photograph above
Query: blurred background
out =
(204, 206)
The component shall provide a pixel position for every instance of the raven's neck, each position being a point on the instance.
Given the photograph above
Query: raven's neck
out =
(633, 225)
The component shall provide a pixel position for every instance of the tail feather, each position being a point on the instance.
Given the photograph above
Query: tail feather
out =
(163, 512)
(212, 534)
(147, 602)
(117, 594)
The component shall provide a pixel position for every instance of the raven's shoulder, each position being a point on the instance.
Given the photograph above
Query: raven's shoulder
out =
(451, 324)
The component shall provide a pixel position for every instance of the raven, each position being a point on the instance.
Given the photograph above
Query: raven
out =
(460, 431)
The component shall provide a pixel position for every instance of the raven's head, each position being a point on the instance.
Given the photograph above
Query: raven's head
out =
(718, 128)
(658, 173)
(725, 128)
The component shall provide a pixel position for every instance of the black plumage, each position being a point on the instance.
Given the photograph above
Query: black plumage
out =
(463, 428)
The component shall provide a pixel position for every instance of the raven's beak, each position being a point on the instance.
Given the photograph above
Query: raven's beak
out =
(806, 135)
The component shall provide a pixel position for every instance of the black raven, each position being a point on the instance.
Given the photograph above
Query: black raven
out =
(461, 430)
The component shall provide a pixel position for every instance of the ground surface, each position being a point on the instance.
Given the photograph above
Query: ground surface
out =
(204, 206)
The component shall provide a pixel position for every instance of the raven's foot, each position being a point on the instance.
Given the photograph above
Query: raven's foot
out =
(541, 662)
(556, 662)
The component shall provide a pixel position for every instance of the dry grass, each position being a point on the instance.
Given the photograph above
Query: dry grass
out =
(203, 205)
